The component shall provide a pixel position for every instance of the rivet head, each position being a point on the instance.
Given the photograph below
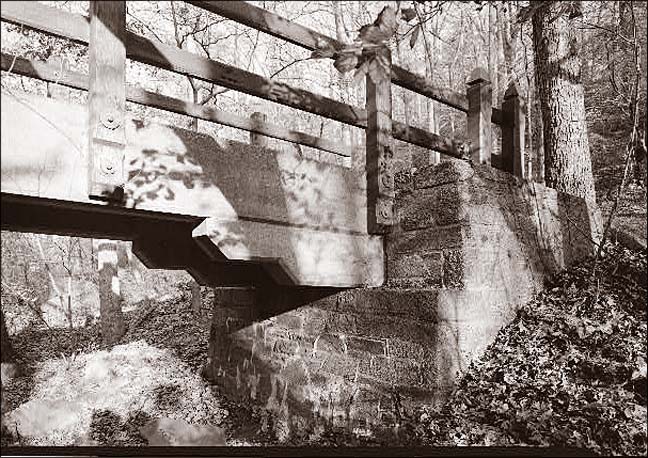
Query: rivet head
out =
(110, 120)
(384, 211)
(107, 167)
(387, 181)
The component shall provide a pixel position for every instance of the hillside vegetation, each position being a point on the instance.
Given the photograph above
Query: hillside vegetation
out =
(569, 371)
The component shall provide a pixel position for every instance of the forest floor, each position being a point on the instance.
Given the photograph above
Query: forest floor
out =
(569, 371)
(630, 217)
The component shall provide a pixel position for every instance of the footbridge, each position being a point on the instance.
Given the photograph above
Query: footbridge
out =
(230, 215)
(363, 287)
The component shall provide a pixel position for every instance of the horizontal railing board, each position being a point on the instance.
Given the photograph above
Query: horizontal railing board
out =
(297, 34)
(76, 27)
(52, 73)
(47, 19)
(179, 61)
(268, 22)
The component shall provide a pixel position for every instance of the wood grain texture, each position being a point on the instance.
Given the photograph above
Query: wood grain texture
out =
(256, 139)
(513, 133)
(303, 221)
(107, 100)
(47, 72)
(75, 27)
(480, 94)
(40, 215)
(177, 171)
(296, 256)
(380, 149)
(279, 27)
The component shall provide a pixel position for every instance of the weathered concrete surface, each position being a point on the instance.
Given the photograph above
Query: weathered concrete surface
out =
(472, 244)
(252, 193)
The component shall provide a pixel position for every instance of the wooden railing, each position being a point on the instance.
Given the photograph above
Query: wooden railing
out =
(110, 44)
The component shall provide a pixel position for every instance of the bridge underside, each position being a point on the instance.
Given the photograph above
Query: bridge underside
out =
(229, 213)
(159, 241)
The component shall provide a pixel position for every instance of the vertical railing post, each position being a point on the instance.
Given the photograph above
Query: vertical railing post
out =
(379, 146)
(513, 132)
(256, 138)
(107, 100)
(480, 109)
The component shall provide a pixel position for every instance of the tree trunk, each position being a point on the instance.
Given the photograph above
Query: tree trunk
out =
(342, 36)
(8, 369)
(196, 297)
(6, 354)
(112, 319)
(568, 165)
(69, 283)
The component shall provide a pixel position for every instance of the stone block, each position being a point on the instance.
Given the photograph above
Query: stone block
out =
(290, 320)
(453, 269)
(439, 238)
(404, 181)
(426, 267)
(365, 345)
(392, 371)
(289, 347)
(406, 303)
(439, 206)
(450, 171)
(399, 348)
(330, 343)
(451, 288)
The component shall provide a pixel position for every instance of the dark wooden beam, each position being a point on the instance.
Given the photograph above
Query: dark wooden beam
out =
(426, 139)
(480, 95)
(48, 72)
(67, 25)
(47, 19)
(52, 216)
(51, 73)
(176, 60)
(268, 22)
(513, 132)
(380, 147)
(256, 139)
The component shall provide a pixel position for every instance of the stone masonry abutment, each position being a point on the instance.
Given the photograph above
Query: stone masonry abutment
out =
(472, 243)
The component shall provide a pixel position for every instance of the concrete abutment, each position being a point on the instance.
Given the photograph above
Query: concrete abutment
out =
(471, 245)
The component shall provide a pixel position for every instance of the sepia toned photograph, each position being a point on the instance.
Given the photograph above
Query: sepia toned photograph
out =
(324, 228)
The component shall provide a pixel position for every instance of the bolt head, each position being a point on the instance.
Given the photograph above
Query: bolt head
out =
(388, 181)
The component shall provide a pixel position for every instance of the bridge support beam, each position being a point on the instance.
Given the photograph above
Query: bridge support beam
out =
(480, 107)
(380, 145)
(513, 132)
(107, 100)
